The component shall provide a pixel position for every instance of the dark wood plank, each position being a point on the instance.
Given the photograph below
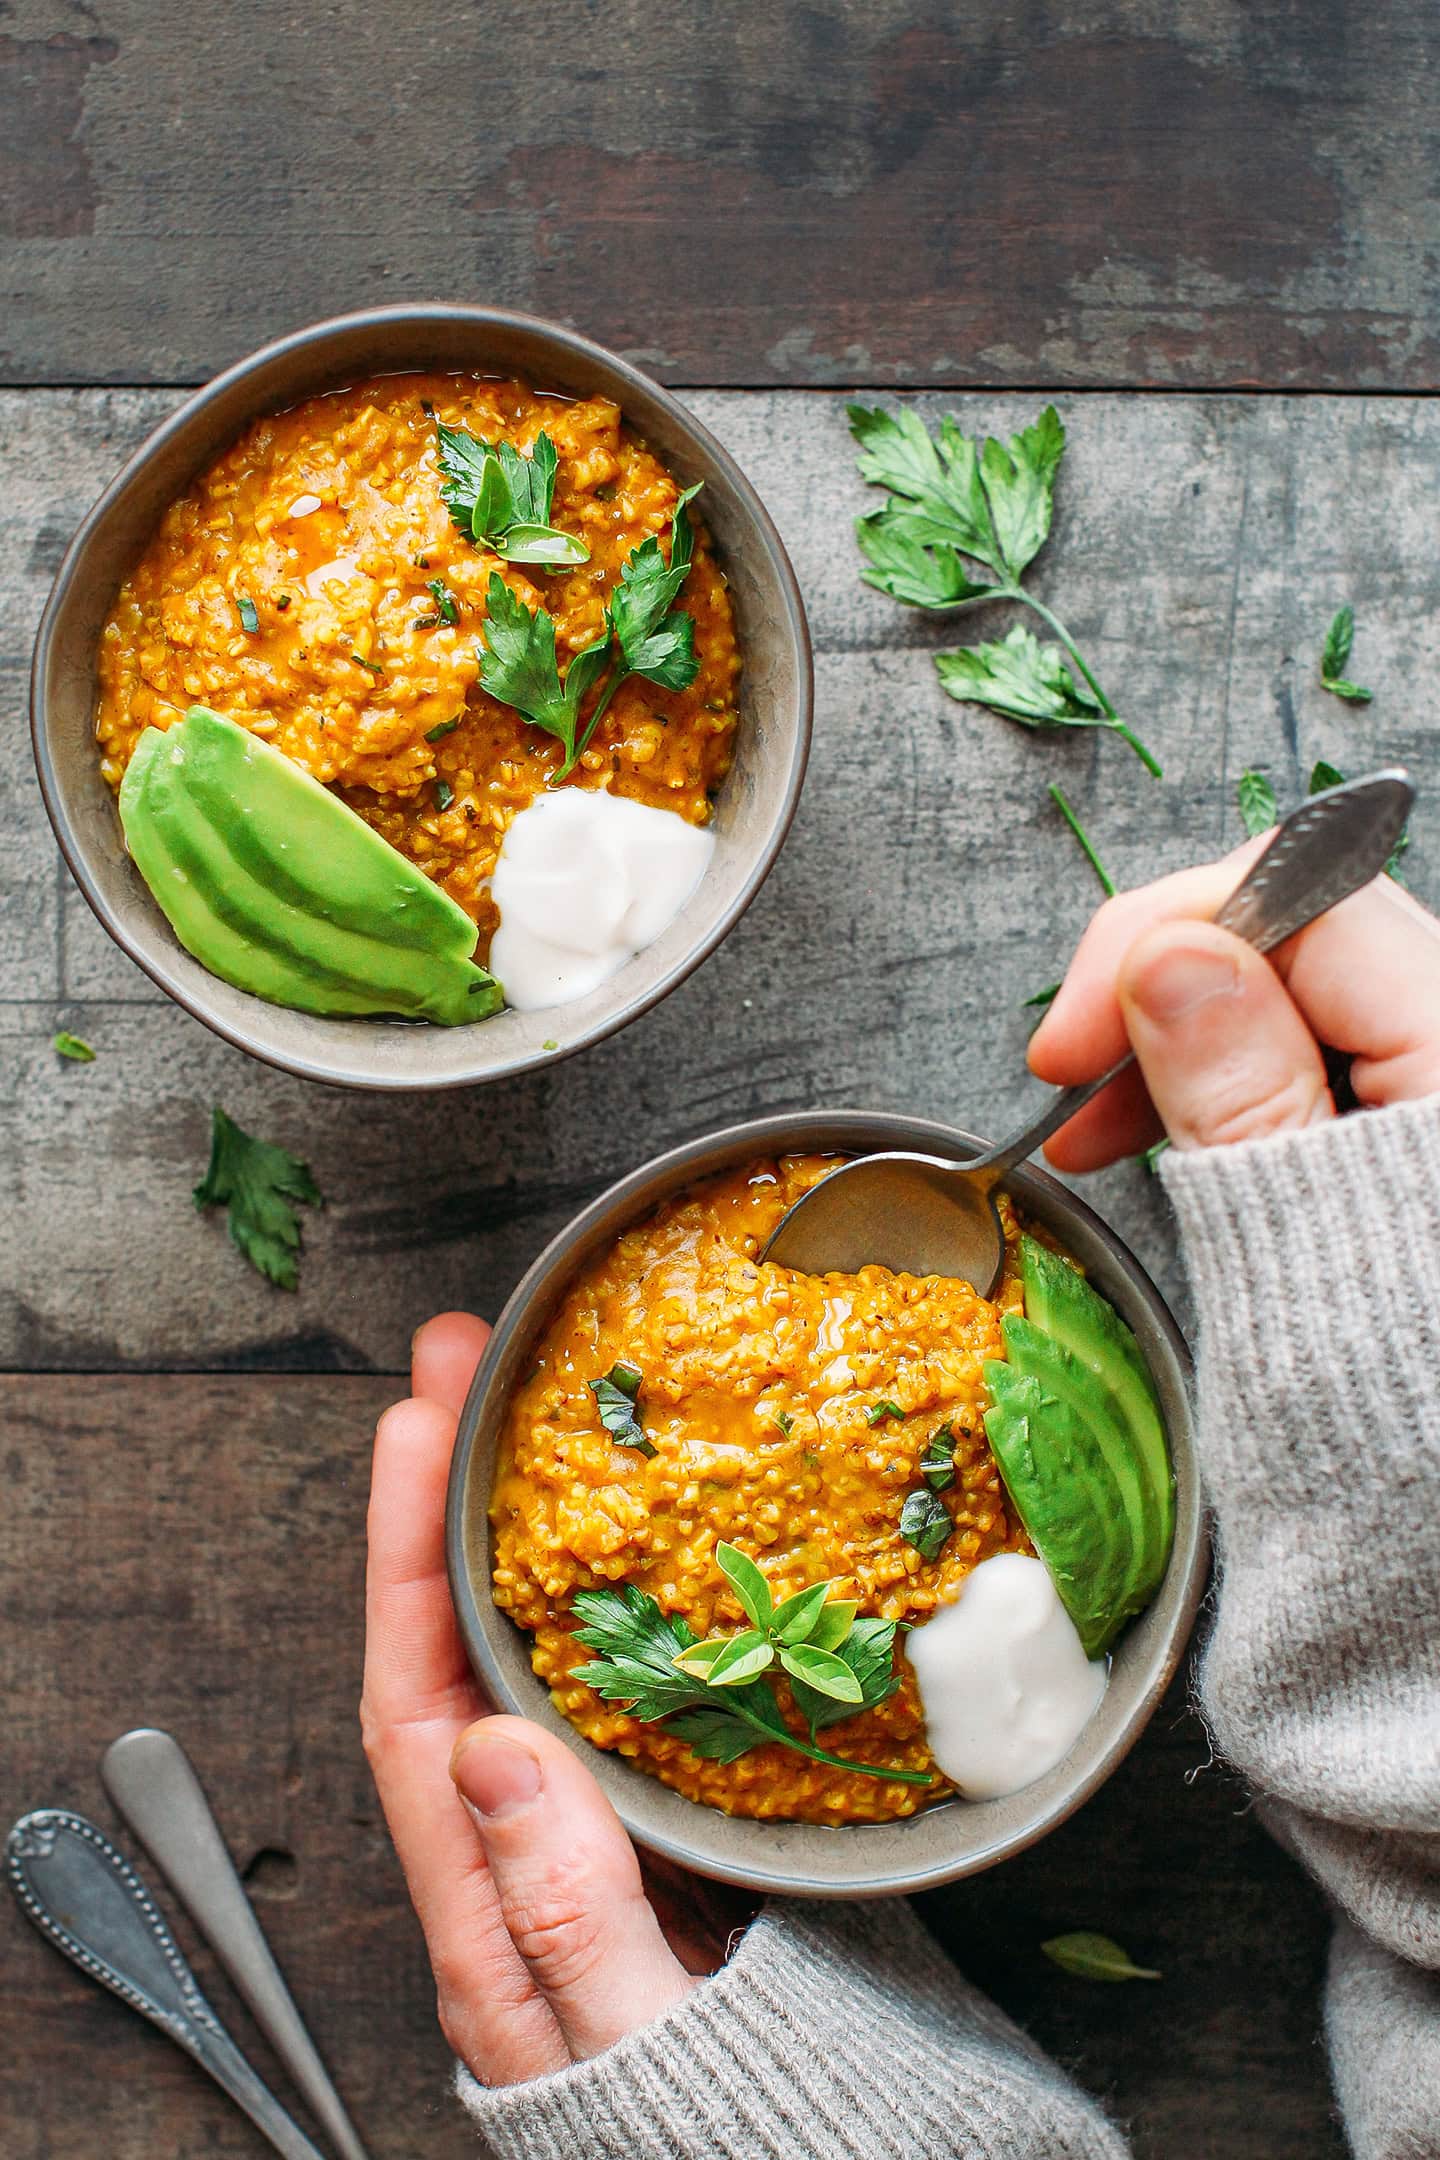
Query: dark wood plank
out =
(905, 191)
(188, 1552)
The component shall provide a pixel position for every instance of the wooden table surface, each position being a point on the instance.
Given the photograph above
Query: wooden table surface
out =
(771, 207)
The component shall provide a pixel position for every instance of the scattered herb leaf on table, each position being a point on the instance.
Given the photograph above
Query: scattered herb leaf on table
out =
(73, 1047)
(951, 503)
(1335, 658)
(1258, 807)
(1094, 1957)
(256, 1182)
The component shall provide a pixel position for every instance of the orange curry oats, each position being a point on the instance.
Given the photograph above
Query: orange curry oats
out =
(324, 527)
(756, 1389)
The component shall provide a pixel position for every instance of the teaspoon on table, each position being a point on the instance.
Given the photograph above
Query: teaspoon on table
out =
(921, 1215)
(153, 1783)
(87, 1900)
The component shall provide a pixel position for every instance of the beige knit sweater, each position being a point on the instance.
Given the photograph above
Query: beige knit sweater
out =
(844, 2034)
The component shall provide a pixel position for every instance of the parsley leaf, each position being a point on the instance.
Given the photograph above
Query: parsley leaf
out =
(73, 1047)
(518, 666)
(937, 1464)
(925, 1523)
(256, 1182)
(1258, 807)
(1335, 656)
(1325, 775)
(644, 635)
(501, 499)
(616, 1400)
(953, 502)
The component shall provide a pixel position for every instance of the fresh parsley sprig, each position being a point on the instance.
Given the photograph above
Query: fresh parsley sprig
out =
(715, 1693)
(502, 499)
(952, 503)
(645, 634)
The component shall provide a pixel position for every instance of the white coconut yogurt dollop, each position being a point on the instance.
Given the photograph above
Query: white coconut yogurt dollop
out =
(584, 881)
(1004, 1680)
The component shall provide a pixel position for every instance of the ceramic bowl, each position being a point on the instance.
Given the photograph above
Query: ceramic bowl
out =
(955, 1837)
(755, 805)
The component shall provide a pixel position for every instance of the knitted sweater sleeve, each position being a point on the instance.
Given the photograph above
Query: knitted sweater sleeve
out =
(1315, 1263)
(834, 2033)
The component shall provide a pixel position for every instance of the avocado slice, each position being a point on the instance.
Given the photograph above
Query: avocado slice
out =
(1063, 1305)
(1076, 1429)
(1065, 1493)
(276, 886)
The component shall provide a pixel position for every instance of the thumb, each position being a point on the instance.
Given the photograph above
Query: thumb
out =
(568, 1883)
(1225, 1053)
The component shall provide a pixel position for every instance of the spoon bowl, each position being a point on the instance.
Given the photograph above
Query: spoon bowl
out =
(918, 1215)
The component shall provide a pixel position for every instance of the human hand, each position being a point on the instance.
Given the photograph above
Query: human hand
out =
(544, 1944)
(1227, 1042)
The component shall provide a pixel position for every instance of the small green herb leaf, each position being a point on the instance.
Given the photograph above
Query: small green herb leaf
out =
(1256, 798)
(371, 667)
(937, 1464)
(881, 1410)
(821, 1670)
(1094, 1957)
(747, 1582)
(616, 1398)
(256, 1183)
(542, 544)
(698, 1657)
(796, 1619)
(869, 1650)
(446, 606)
(444, 794)
(784, 1422)
(446, 727)
(249, 614)
(1151, 1156)
(743, 1658)
(925, 1523)
(74, 1047)
(1335, 656)
(1047, 996)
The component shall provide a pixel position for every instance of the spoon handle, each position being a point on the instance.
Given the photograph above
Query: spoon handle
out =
(1324, 851)
(152, 1782)
(87, 1900)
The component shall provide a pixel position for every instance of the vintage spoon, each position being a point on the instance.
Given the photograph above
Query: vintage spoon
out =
(152, 1782)
(924, 1216)
(87, 1900)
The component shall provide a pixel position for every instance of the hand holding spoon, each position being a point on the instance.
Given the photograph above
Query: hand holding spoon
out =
(924, 1216)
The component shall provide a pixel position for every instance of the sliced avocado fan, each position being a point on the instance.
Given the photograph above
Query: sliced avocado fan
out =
(276, 886)
(1076, 1429)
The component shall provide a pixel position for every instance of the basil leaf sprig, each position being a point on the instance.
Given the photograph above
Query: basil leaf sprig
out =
(644, 634)
(617, 1400)
(925, 1522)
(715, 1692)
(937, 1464)
(501, 499)
(1335, 658)
(953, 503)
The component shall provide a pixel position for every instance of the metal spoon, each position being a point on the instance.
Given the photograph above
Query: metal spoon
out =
(87, 1900)
(921, 1215)
(152, 1782)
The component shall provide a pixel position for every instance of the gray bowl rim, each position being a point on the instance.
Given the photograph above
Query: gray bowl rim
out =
(528, 1309)
(52, 786)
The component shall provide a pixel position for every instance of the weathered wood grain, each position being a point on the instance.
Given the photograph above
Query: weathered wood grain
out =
(927, 889)
(188, 1552)
(1081, 191)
